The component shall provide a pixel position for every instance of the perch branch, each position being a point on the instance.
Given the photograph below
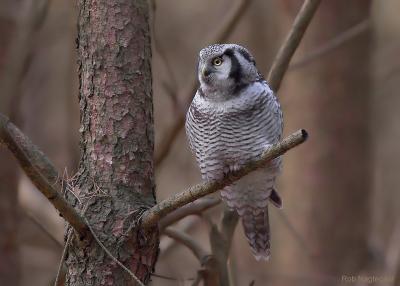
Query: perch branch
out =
(152, 216)
(42, 173)
(187, 93)
(281, 62)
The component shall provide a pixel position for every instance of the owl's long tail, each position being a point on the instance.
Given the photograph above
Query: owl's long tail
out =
(256, 228)
(256, 225)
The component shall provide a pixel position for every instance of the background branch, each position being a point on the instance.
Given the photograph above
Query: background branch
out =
(291, 43)
(194, 208)
(221, 240)
(188, 241)
(332, 44)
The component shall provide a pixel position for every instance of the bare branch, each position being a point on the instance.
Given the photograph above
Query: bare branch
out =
(19, 54)
(332, 44)
(291, 43)
(194, 208)
(221, 240)
(39, 169)
(171, 85)
(188, 241)
(229, 24)
(152, 216)
(168, 244)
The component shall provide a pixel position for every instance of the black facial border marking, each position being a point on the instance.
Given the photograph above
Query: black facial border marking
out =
(236, 70)
(247, 56)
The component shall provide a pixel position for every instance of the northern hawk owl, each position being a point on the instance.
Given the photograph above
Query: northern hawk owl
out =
(233, 118)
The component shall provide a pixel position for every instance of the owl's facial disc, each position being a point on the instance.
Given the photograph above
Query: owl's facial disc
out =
(224, 70)
(215, 69)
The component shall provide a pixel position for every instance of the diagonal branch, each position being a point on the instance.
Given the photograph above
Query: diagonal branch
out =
(332, 44)
(188, 241)
(194, 208)
(40, 170)
(292, 41)
(152, 216)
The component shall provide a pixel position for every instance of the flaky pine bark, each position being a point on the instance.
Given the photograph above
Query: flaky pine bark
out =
(116, 167)
(330, 97)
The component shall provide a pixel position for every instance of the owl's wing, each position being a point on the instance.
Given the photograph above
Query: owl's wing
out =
(190, 127)
(274, 123)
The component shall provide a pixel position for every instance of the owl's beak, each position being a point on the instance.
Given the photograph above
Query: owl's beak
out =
(205, 71)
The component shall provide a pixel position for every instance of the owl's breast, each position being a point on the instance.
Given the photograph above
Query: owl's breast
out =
(224, 135)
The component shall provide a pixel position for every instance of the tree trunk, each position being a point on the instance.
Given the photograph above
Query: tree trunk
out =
(328, 184)
(116, 142)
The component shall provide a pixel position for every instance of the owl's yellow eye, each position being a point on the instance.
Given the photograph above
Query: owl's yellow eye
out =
(217, 61)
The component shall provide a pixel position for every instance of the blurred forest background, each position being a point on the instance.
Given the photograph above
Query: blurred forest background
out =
(340, 189)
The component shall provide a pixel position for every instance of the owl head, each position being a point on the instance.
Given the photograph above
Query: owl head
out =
(225, 69)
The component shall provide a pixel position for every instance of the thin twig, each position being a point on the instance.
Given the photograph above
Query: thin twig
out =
(194, 208)
(39, 169)
(291, 43)
(228, 25)
(187, 241)
(332, 44)
(162, 276)
(63, 255)
(167, 243)
(152, 216)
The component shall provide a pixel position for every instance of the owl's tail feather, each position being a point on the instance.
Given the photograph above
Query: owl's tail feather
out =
(256, 227)
(275, 199)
